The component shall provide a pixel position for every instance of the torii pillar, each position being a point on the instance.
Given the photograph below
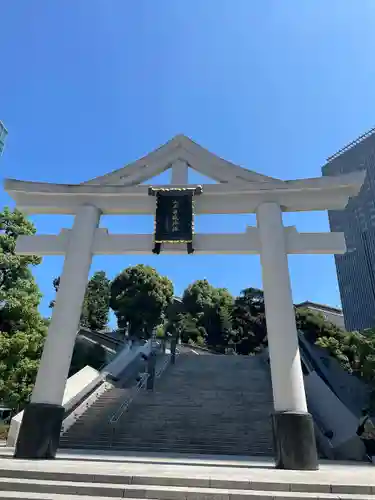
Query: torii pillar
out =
(293, 426)
(42, 419)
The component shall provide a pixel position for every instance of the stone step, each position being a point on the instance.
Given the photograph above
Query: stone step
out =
(155, 443)
(217, 399)
(221, 406)
(238, 450)
(178, 436)
(44, 489)
(238, 433)
(175, 442)
(232, 447)
(190, 425)
(260, 452)
(36, 471)
(254, 495)
(161, 420)
(199, 410)
(211, 440)
(218, 434)
(219, 402)
(214, 448)
(28, 495)
(157, 430)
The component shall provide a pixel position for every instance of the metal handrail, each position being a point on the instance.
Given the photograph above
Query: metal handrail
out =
(125, 404)
(140, 385)
(163, 367)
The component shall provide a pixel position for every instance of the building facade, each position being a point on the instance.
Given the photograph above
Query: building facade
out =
(332, 314)
(356, 268)
(3, 134)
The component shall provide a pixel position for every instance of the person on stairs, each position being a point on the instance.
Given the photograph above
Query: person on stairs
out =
(366, 431)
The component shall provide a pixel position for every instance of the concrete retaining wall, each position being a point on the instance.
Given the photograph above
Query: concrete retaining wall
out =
(76, 387)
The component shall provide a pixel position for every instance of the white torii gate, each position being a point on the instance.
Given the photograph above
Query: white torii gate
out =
(238, 191)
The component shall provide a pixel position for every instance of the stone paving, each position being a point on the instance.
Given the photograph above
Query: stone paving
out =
(204, 471)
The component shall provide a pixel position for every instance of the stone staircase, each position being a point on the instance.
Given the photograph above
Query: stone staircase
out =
(210, 405)
(95, 420)
(93, 424)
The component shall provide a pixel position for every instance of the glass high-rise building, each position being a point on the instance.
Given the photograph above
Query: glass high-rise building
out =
(356, 268)
(3, 134)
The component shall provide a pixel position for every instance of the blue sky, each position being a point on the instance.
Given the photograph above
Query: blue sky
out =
(89, 86)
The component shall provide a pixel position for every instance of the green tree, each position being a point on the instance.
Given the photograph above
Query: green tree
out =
(354, 351)
(173, 315)
(314, 325)
(198, 297)
(139, 298)
(22, 328)
(317, 330)
(95, 308)
(190, 330)
(56, 285)
(211, 309)
(217, 321)
(249, 321)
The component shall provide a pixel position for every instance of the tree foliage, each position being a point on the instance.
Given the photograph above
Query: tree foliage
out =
(139, 298)
(22, 328)
(249, 321)
(95, 307)
(353, 350)
(224, 322)
(220, 323)
(56, 286)
(190, 330)
(314, 325)
(208, 314)
(19, 294)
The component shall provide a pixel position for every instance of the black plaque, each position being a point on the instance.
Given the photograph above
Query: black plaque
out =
(174, 218)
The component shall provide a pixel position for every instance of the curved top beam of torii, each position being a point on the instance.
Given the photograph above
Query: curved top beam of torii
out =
(180, 148)
(239, 190)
